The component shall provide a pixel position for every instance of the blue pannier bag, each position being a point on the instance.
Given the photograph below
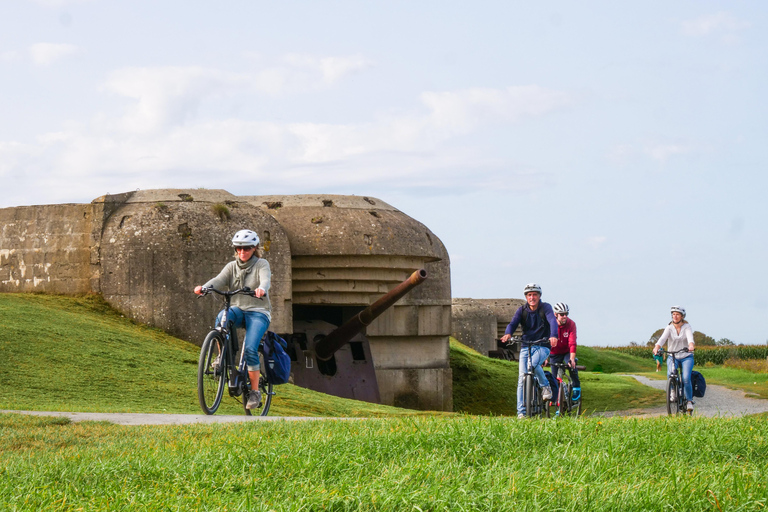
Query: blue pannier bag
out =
(699, 384)
(276, 359)
(553, 384)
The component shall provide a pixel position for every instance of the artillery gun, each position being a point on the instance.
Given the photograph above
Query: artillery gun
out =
(337, 359)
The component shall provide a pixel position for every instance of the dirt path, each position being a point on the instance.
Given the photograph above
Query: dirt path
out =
(718, 401)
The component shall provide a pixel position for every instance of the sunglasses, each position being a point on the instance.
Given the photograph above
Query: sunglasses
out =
(238, 249)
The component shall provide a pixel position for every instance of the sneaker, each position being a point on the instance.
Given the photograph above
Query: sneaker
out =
(521, 416)
(546, 393)
(690, 406)
(672, 395)
(254, 399)
(576, 394)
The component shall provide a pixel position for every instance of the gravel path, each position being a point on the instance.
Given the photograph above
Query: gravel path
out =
(717, 401)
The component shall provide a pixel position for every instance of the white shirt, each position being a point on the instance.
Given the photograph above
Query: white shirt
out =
(677, 341)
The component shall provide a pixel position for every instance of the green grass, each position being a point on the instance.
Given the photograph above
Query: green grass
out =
(489, 386)
(394, 464)
(607, 361)
(78, 354)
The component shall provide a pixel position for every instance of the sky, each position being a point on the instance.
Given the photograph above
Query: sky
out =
(612, 152)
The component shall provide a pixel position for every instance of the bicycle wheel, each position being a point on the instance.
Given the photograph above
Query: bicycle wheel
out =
(529, 403)
(211, 372)
(671, 387)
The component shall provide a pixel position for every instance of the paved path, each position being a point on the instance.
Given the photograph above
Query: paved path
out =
(717, 401)
(162, 419)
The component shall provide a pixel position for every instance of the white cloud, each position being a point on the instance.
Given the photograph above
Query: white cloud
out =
(161, 138)
(59, 3)
(331, 69)
(662, 152)
(461, 111)
(657, 151)
(46, 53)
(596, 242)
(718, 23)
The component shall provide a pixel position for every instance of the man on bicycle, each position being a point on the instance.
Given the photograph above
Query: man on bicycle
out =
(566, 344)
(538, 322)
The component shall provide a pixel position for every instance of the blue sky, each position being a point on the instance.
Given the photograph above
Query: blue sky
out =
(613, 153)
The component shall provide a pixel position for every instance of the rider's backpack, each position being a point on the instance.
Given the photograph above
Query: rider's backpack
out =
(278, 362)
(699, 384)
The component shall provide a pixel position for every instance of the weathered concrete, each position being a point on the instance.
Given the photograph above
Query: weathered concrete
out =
(47, 248)
(144, 251)
(348, 251)
(158, 245)
(478, 323)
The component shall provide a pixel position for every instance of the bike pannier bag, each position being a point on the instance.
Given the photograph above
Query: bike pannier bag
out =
(699, 384)
(553, 384)
(277, 360)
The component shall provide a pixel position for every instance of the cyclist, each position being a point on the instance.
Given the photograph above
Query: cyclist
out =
(677, 333)
(249, 269)
(537, 321)
(566, 344)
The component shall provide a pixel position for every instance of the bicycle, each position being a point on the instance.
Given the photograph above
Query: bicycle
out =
(535, 405)
(565, 403)
(219, 364)
(675, 383)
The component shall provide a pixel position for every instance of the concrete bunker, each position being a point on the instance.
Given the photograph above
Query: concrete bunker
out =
(331, 256)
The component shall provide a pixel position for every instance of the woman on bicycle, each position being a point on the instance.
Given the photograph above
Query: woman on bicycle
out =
(249, 269)
(677, 334)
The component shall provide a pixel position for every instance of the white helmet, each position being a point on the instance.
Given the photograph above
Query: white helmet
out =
(532, 287)
(678, 309)
(561, 308)
(245, 238)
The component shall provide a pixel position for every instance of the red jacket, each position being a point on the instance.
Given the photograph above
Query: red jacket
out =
(566, 338)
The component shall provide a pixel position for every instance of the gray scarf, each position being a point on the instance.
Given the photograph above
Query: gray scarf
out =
(243, 269)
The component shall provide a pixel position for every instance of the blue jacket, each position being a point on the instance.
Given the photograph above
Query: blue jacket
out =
(535, 328)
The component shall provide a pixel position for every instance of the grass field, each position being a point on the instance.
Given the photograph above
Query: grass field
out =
(77, 354)
(392, 464)
(489, 386)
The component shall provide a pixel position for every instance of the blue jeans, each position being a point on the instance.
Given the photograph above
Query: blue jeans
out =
(687, 365)
(255, 325)
(538, 355)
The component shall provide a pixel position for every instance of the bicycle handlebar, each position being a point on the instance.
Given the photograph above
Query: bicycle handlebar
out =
(681, 351)
(244, 290)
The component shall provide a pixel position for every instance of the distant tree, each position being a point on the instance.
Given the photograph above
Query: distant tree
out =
(703, 340)
(654, 337)
(724, 342)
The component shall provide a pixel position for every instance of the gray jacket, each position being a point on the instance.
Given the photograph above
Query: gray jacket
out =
(253, 274)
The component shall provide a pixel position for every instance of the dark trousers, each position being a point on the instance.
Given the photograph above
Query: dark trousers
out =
(574, 373)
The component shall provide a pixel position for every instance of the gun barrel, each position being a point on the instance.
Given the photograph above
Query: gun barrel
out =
(325, 349)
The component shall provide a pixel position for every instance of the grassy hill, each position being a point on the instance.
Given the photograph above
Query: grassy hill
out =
(488, 386)
(78, 354)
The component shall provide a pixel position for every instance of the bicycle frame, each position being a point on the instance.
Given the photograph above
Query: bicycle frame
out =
(218, 363)
(675, 381)
(534, 404)
(235, 374)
